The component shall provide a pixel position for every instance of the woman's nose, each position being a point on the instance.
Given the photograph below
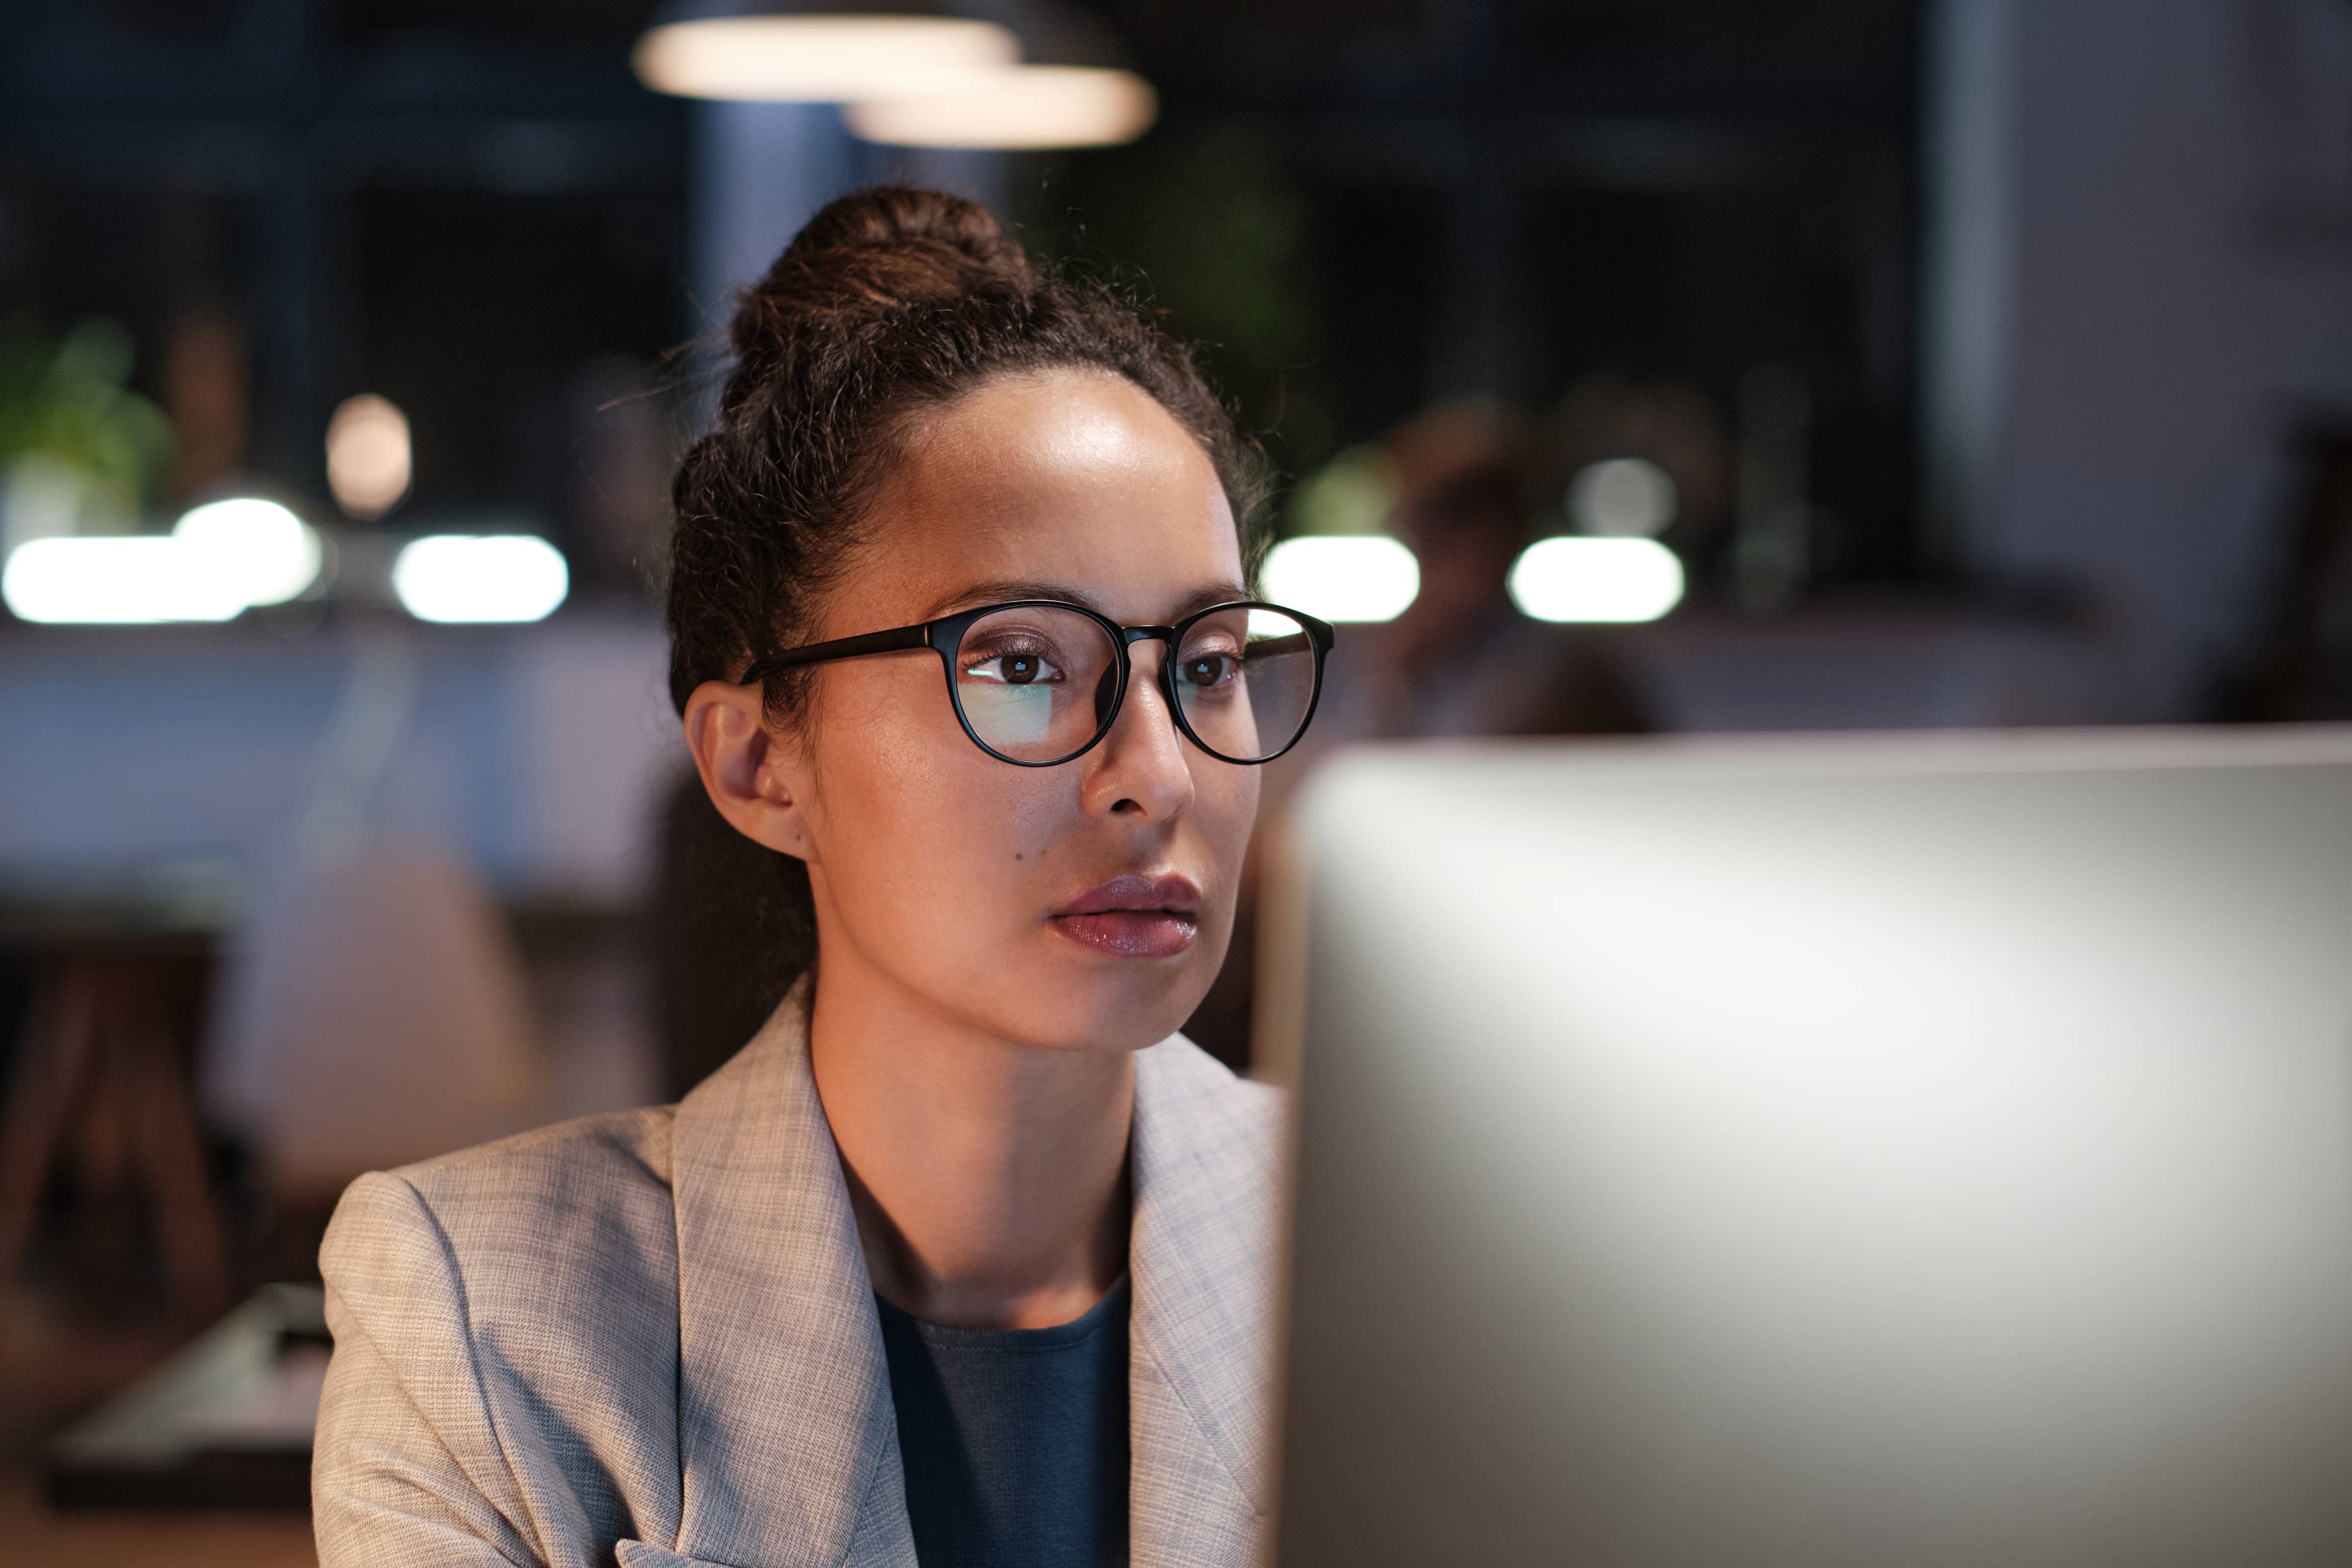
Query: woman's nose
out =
(1143, 769)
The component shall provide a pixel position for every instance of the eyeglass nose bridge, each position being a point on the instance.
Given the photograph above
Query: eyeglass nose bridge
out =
(1166, 637)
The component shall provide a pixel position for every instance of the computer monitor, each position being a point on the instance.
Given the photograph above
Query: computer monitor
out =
(1837, 1153)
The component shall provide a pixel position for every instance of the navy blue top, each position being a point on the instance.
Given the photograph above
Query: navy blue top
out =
(1014, 1440)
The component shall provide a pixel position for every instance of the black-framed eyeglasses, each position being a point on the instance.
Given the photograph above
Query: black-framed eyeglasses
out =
(1037, 682)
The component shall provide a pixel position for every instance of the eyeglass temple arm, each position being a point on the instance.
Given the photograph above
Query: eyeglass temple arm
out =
(894, 641)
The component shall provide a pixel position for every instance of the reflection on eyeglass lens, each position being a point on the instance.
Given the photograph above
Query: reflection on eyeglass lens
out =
(1024, 678)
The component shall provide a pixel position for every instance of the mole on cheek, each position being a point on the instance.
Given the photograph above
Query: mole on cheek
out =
(1016, 854)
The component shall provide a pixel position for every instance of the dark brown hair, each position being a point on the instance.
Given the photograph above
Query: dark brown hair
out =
(891, 301)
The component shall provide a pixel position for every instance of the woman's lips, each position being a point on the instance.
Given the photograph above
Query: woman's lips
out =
(1134, 916)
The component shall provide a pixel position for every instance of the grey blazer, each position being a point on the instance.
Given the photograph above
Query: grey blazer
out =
(650, 1337)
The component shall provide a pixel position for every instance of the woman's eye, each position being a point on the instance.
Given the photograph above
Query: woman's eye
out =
(1211, 668)
(1014, 670)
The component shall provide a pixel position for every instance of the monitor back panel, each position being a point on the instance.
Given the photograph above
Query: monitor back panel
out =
(1828, 1154)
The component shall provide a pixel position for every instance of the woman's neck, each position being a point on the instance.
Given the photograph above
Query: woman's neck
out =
(989, 1178)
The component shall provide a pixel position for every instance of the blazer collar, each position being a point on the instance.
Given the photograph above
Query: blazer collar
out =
(785, 1430)
(787, 1442)
(1207, 1178)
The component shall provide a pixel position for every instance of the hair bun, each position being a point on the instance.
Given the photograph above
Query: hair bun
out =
(895, 215)
(872, 253)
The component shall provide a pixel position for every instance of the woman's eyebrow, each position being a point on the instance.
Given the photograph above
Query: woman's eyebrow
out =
(1002, 590)
(1202, 598)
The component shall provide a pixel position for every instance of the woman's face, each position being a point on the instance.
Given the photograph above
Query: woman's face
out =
(1003, 895)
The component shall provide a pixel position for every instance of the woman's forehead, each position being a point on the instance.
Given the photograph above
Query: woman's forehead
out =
(1017, 440)
(1071, 477)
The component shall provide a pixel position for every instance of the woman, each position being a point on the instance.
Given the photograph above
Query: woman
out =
(964, 1259)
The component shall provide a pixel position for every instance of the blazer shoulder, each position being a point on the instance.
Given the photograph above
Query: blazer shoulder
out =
(506, 1328)
(588, 1195)
(617, 1149)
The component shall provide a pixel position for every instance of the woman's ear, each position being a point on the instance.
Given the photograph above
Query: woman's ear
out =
(754, 779)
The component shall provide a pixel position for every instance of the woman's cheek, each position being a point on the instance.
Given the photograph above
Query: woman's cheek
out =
(976, 840)
(1231, 807)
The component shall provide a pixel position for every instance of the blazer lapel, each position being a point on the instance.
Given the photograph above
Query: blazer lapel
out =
(787, 1443)
(1206, 1155)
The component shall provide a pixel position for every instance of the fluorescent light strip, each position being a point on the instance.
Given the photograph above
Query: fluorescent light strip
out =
(1596, 580)
(1358, 577)
(130, 580)
(463, 577)
(270, 554)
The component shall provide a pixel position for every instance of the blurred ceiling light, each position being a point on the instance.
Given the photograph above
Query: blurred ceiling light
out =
(267, 553)
(126, 579)
(781, 56)
(368, 458)
(1016, 106)
(1623, 497)
(480, 577)
(1580, 579)
(1367, 577)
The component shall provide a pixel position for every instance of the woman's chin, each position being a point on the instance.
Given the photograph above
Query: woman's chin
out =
(1107, 1006)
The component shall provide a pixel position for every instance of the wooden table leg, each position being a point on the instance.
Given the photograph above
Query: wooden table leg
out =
(53, 1066)
(98, 1067)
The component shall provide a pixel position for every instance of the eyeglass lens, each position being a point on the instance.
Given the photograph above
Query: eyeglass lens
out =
(1244, 679)
(1036, 683)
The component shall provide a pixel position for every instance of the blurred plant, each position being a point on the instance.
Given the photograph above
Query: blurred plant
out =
(1355, 492)
(79, 451)
(1219, 233)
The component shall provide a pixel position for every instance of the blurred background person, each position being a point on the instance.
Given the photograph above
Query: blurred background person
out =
(1462, 659)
